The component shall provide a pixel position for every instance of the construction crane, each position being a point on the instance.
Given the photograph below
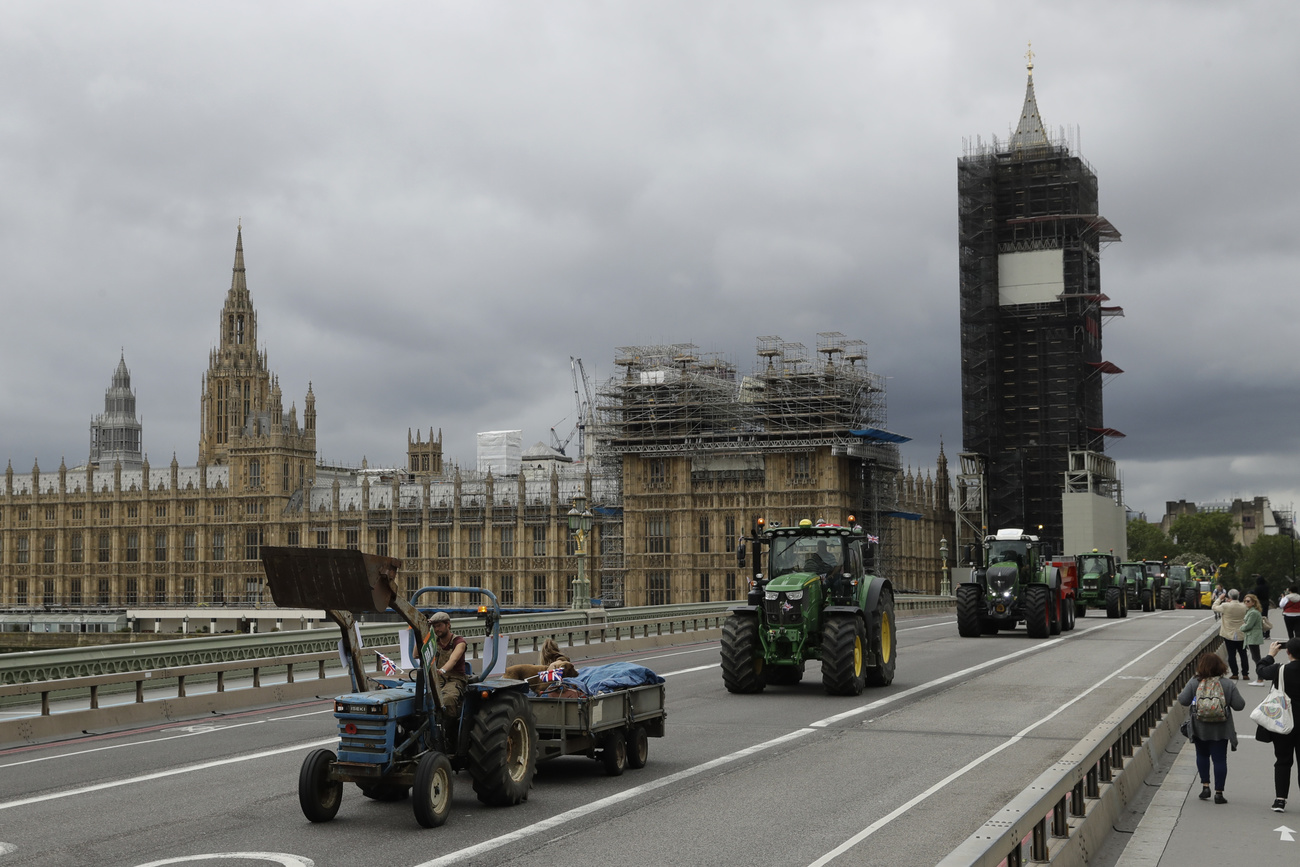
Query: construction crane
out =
(582, 400)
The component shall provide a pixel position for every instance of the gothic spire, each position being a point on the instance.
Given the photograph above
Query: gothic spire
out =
(238, 281)
(1030, 132)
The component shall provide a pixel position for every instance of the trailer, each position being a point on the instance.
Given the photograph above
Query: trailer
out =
(613, 728)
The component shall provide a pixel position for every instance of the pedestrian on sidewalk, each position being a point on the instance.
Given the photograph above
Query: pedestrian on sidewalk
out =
(1234, 614)
(1290, 605)
(1263, 593)
(1286, 748)
(1212, 699)
(1252, 631)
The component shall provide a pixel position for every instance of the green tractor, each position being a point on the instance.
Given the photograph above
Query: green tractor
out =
(1016, 584)
(1167, 594)
(1101, 585)
(1182, 586)
(812, 599)
(1138, 584)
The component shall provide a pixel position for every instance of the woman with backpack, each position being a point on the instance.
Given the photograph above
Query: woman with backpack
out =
(1212, 699)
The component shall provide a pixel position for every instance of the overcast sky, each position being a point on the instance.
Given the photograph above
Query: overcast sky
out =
(443, 202)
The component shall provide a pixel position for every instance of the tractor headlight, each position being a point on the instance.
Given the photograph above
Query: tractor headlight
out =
(1007, 594)
(794, 595)
(770, 595)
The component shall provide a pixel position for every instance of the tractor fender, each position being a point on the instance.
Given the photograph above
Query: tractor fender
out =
(873, 592)
(1053, 575)
(743, 610)
(842, 609)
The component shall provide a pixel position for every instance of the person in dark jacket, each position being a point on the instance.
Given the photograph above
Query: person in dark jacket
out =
(1262, 594)
(1286, 748)
(1211, 738)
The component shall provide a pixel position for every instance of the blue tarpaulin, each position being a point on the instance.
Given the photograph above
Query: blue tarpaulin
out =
(876, 434)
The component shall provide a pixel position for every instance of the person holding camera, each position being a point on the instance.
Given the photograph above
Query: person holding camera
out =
(1286, 748)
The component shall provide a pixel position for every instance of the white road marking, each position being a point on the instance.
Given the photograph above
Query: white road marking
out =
(1014, 739)
(7, 848)
(158, 775)
(689, 670)
(274, 857)
(627, 794)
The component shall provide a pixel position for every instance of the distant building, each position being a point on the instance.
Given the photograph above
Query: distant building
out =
(1250, 518)
(685, 459)
(1032, 308)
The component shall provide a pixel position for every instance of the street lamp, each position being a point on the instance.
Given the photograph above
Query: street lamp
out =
(945, 586)
(580, 520)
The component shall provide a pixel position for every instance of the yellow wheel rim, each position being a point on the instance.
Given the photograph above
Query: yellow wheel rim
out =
(886, 637)
(857, 656)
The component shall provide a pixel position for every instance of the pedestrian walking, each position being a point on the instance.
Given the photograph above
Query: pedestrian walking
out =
(1212, 699)
(1263, 593)
(1233, 614)
(1252, 632)
(1286, 748)
(1290, 605)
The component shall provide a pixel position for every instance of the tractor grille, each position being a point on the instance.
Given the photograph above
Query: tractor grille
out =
(1002, 578)
(371, 738)
(781, 610)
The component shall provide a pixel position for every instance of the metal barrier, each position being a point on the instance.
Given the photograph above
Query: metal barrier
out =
(1093, 781)
(281, 658)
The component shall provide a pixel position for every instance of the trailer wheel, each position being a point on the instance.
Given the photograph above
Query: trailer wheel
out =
(969, 607)
(742, 655)
(318, 795)
(613, 752)
(638, 748)
(1037, 600)
(884, 641)
(503, 750)
(1114, 597)
(384, 791)
(1148, 604)
(432, 800)
(844, 656)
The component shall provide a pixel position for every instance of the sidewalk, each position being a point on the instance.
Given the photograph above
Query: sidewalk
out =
(1178, 829)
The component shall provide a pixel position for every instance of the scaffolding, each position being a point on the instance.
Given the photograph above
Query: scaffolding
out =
(1032, 370)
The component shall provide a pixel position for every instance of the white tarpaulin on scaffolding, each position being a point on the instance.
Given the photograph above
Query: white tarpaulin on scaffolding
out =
(500, 451)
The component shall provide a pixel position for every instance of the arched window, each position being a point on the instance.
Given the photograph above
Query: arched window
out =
(255, 473)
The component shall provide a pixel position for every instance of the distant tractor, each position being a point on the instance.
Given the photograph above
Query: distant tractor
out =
(1137, 583)
(1101, 585)
(1015, 585)
(811, 597)
(1167, 596)
(1182, 586)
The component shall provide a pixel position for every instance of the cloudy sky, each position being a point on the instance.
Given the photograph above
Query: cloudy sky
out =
(442, 202)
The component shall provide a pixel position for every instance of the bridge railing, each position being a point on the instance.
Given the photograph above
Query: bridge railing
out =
(1069, 810)
(241, 672)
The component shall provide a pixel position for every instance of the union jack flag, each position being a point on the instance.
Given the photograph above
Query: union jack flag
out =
(874, 540)
(390, 667)
(551, 675)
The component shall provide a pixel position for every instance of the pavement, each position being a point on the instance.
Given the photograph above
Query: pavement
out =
(1178, 829)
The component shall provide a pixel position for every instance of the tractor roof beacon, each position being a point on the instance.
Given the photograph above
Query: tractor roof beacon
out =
(812, 596)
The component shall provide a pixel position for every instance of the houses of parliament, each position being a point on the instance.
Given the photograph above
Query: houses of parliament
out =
(670, 497)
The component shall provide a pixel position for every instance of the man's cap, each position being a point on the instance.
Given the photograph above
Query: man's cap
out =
(440, 617)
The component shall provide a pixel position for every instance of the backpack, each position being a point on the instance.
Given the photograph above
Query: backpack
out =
(1211, 703)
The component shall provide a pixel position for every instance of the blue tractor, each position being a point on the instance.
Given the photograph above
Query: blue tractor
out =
(395, 740)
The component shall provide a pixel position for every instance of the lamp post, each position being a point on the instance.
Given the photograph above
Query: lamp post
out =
(945, 586)
(580, 521)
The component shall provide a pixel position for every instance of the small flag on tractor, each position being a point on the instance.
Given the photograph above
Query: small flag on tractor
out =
(390, 668)
(873, 540)
(551, 675)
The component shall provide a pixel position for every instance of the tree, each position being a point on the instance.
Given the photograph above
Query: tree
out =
(1148, 542)
(1272, 557)
(1208, 533)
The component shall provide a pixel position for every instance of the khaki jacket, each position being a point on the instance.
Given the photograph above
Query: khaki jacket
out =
(1234, 616)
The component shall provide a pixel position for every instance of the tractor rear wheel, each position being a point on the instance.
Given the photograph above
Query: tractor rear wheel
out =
(503, 749)
(432, 801)
(1037, 599)
(843, 656)
(318, 795)
(1114, 598)
(1166, 599)
(742, 655)
(970, 604)
(1148, 604)
(884, 641)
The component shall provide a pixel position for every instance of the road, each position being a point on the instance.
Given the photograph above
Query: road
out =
(791, 776)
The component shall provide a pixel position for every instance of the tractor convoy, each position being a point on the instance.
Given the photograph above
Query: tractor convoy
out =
(1012, 582)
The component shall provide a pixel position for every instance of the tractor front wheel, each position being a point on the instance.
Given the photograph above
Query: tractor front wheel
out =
(1114, 599)
(503, 750)
(1148, 604)
(318, 795)
(1166, 599)
(432, 801)
(1037, 602)
(970, 604)
(843, 656)
(742, 655)
(884, 641)
(1192, 599)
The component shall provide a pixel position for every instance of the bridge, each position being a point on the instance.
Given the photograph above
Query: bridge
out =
(1002, 749)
